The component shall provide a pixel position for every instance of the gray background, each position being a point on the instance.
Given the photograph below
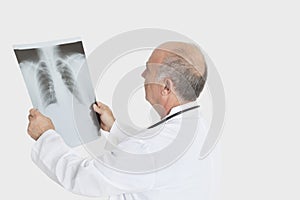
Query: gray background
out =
(253, 44)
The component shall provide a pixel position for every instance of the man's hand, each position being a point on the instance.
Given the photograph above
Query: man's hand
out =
(38, 124)
(106, 115)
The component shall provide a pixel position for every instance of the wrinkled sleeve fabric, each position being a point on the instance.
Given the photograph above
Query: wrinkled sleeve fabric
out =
(116, 134)
(81, 176)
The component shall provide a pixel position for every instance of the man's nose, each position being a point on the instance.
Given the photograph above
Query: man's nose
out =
(143, 74)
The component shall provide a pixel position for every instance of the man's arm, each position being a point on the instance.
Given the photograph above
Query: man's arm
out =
(86, 177)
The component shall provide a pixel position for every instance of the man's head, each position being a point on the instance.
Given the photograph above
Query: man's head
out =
(175, 74)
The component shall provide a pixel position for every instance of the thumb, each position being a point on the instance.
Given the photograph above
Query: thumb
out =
(33, 112)
(97, 109)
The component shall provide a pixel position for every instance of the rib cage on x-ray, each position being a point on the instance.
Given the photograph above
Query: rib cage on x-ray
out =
(68, 78)
(46, 85)
(46, 69)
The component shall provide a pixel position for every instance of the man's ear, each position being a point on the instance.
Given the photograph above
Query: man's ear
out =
(168, 85)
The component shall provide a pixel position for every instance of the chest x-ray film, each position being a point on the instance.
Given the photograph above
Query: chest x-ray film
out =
(59, 85)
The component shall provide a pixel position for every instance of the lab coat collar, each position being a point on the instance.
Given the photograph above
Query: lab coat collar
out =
(180, 108)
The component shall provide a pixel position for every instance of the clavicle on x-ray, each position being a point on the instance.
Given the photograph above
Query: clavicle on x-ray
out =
(59, 85)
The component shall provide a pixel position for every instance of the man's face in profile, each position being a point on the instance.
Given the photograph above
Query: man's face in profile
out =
(152, 87)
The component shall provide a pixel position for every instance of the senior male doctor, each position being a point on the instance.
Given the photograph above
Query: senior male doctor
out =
(159, 163)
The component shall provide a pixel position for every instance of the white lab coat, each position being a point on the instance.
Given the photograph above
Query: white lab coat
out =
(186, 178)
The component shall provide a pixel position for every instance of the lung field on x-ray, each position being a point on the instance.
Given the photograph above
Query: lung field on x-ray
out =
(68, 78)
(52, 70)
(46, 84)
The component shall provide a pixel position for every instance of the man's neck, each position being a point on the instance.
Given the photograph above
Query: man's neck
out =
(168, 107)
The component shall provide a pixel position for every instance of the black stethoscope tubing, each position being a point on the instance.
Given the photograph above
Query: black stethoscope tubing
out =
(173, 115)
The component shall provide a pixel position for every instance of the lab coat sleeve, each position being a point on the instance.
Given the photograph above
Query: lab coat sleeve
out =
(116, 134)
(81, 176)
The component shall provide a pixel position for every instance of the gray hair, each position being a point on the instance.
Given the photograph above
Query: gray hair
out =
(187, 79)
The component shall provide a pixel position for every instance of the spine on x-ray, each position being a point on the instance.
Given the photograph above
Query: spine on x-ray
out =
(46, 85)
(68, 78)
